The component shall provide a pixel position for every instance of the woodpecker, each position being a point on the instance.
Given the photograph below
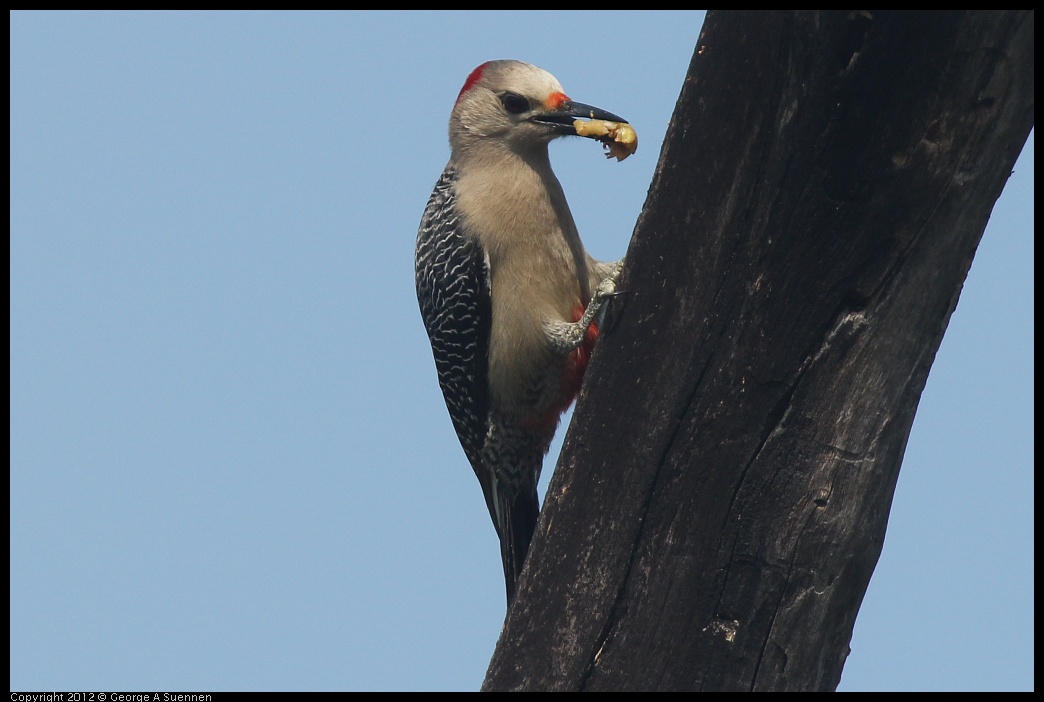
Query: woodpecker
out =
(508, 294)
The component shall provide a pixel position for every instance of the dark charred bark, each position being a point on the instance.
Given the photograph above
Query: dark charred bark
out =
(723, 492)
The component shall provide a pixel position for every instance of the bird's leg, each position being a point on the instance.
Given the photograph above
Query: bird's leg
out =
(565, 337)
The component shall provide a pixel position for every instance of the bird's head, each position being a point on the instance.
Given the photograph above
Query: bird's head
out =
(518, 105)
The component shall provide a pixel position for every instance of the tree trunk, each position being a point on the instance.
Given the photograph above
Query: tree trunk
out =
(722, 495)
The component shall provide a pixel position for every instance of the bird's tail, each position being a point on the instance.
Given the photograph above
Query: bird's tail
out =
(516, 517)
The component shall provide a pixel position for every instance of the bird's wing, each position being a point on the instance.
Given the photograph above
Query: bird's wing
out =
(453, 291)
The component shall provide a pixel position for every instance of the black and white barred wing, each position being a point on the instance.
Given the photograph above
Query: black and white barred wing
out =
(453, 292)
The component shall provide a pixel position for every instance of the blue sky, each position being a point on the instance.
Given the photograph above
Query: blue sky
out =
(231, 465)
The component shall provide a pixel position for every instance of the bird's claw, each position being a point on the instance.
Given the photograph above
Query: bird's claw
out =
(607, 288)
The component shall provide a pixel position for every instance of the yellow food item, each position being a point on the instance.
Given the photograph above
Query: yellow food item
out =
(619, 138)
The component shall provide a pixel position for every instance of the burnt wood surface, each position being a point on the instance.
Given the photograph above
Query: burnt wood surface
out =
(722, 495)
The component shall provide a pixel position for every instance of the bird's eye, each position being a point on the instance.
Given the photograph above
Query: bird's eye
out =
(514, 103)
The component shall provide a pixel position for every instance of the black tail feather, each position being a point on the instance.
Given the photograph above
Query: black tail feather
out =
(518, 514)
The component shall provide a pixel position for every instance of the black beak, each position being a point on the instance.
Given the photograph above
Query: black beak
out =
(568, 112)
